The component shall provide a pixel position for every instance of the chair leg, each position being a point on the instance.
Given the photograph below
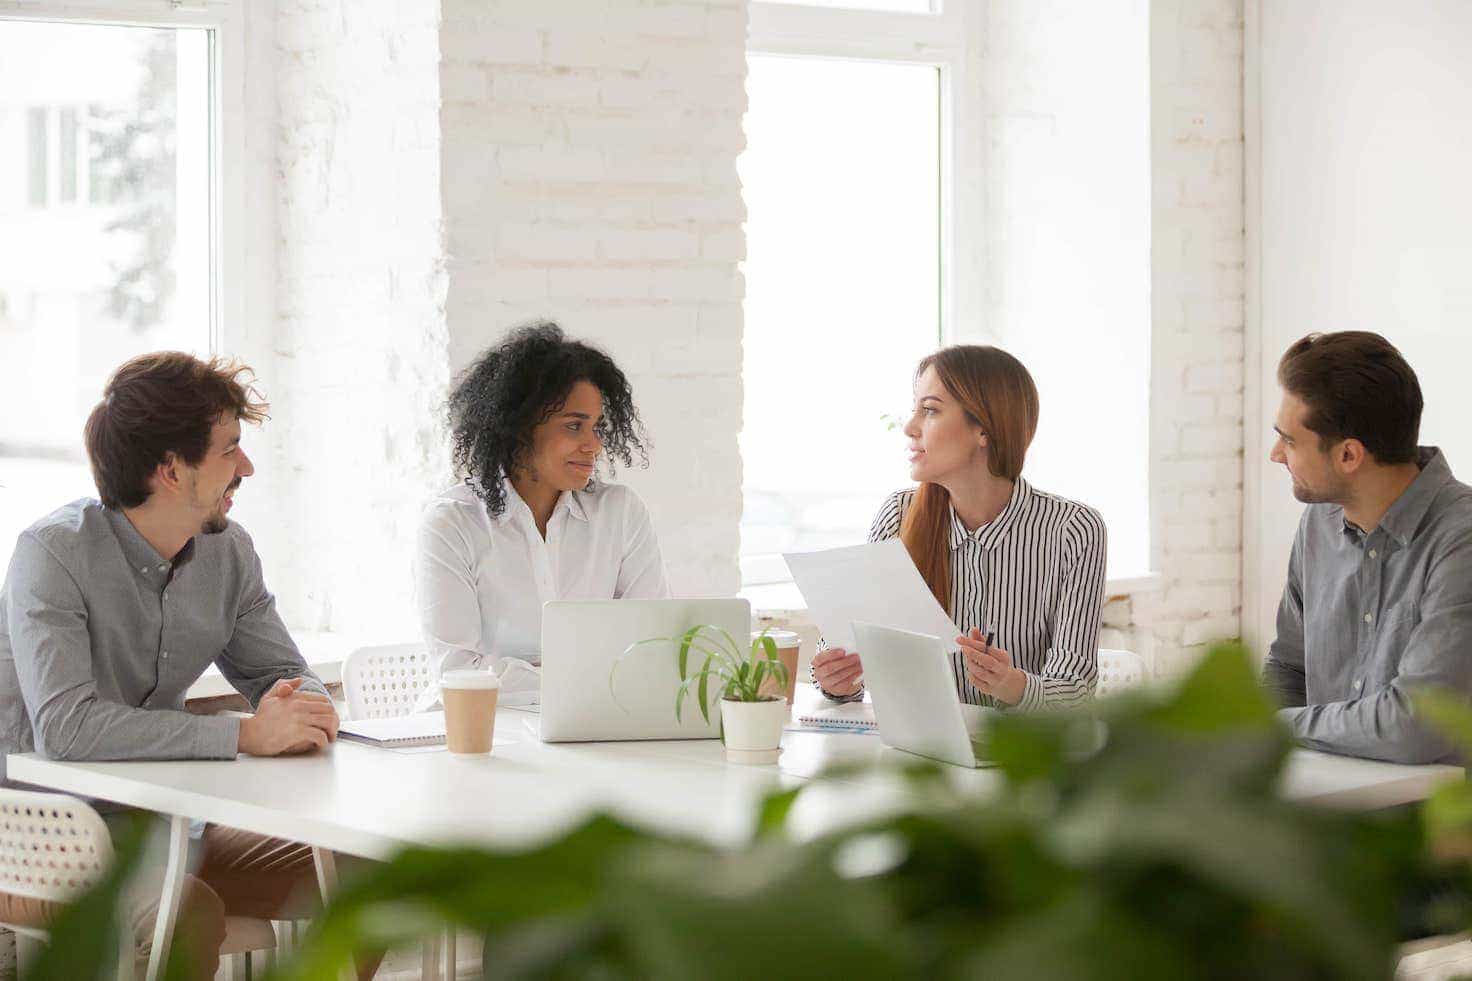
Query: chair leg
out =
(429, 964)
(449, 947)
(27, 949)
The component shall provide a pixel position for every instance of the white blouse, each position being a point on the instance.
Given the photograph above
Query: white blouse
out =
(480, 581)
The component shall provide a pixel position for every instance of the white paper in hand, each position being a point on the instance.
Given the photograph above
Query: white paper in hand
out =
(875, 583)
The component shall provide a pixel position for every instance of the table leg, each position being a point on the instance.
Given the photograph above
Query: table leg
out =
(173, 892)
(326, 864)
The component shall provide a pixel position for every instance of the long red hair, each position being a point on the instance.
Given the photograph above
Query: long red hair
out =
(998, 395)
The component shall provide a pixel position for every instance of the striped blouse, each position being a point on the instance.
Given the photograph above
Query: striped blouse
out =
(1035, 576)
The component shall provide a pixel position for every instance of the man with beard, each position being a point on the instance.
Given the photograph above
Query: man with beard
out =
(1378, 604)
(112, 608)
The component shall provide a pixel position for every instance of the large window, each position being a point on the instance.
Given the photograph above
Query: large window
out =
(847, 175)
(842, 183)
(106, 245)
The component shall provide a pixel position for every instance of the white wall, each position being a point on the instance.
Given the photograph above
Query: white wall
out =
(1363, 220)
(1069, 245)
(359, 351)
(1197, 285)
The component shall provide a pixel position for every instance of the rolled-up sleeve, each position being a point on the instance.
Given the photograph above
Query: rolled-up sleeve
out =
(260, 651)
(47, 622)
(1071, 665)
(1383, 725)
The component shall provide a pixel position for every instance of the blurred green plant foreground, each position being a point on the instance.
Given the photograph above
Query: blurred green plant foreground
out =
(1163, 853)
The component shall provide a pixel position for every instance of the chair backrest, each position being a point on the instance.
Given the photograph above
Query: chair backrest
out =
(51, 846)
(1119, 670)
(385, 682)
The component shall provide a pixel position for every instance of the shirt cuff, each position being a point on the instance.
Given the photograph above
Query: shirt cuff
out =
(218, 737)
(1292, 716)
(1032, 694)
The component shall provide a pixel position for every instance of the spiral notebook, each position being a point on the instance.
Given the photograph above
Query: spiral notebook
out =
(419, 729)
(848, 717)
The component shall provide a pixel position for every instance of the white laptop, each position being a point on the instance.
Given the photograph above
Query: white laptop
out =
(916, 705)
(582, 699)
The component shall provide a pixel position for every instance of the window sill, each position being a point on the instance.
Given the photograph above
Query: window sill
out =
(783, 599)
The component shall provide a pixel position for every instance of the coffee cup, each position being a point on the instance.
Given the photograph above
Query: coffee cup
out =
(788, 644)
(470, 710)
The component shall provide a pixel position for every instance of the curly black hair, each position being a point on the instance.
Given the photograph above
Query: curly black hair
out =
(519, 384)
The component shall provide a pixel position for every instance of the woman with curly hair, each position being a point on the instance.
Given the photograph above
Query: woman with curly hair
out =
(530, 522)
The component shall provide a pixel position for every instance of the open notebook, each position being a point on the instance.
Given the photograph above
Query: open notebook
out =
(419, 729)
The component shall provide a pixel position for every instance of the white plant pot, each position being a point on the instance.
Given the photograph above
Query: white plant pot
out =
(753, 730)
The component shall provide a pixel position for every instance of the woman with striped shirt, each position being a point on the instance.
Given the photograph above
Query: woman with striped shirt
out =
(1021, 572)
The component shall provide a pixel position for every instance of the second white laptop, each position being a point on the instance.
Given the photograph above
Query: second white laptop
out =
(583, 699)
(916, 705)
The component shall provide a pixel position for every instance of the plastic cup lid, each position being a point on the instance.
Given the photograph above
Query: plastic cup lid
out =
(468, 679)
(782, 638)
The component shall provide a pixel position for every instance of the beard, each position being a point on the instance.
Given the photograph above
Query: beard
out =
(216, 521)
(1318, 495)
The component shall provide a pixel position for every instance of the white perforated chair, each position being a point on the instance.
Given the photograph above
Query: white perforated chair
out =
(54, 847)
(385, 682)
(1119, 671)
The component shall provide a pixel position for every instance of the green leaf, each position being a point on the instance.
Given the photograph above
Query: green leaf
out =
(701, 693)
(1447, 713)
(685, 641)
(1221, 693)
(773, 813)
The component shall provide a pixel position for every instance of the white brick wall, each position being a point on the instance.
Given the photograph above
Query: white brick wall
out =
(360, 351)
(589, 176)
(1197, 316)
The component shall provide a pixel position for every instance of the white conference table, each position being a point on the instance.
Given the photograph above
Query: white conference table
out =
(367, 801)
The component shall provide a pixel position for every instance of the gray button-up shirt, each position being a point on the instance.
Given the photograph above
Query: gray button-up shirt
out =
(1369, 619)
(100, 637)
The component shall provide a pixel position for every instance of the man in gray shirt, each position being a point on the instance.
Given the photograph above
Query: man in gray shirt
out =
(1378, 604)
(111, 609)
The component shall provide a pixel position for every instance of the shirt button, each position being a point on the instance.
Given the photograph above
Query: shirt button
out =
(166, 654)
(1373, 553)
(1358, 685)
(162, 568)
(1369, 618)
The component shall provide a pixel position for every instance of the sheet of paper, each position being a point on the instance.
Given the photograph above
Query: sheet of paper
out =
(875, 583)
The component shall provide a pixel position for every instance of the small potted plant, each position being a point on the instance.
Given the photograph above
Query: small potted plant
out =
(751, 719)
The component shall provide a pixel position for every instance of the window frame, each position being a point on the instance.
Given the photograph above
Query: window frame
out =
(224, 19)
(950, 40)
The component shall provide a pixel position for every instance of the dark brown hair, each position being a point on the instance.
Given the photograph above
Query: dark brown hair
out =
(1356, 385)
(998, 395)
(157, 404)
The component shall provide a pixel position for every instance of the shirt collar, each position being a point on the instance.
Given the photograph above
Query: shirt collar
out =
(994, 532)
(1404, 516)
(141, 555)
(569, 501)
